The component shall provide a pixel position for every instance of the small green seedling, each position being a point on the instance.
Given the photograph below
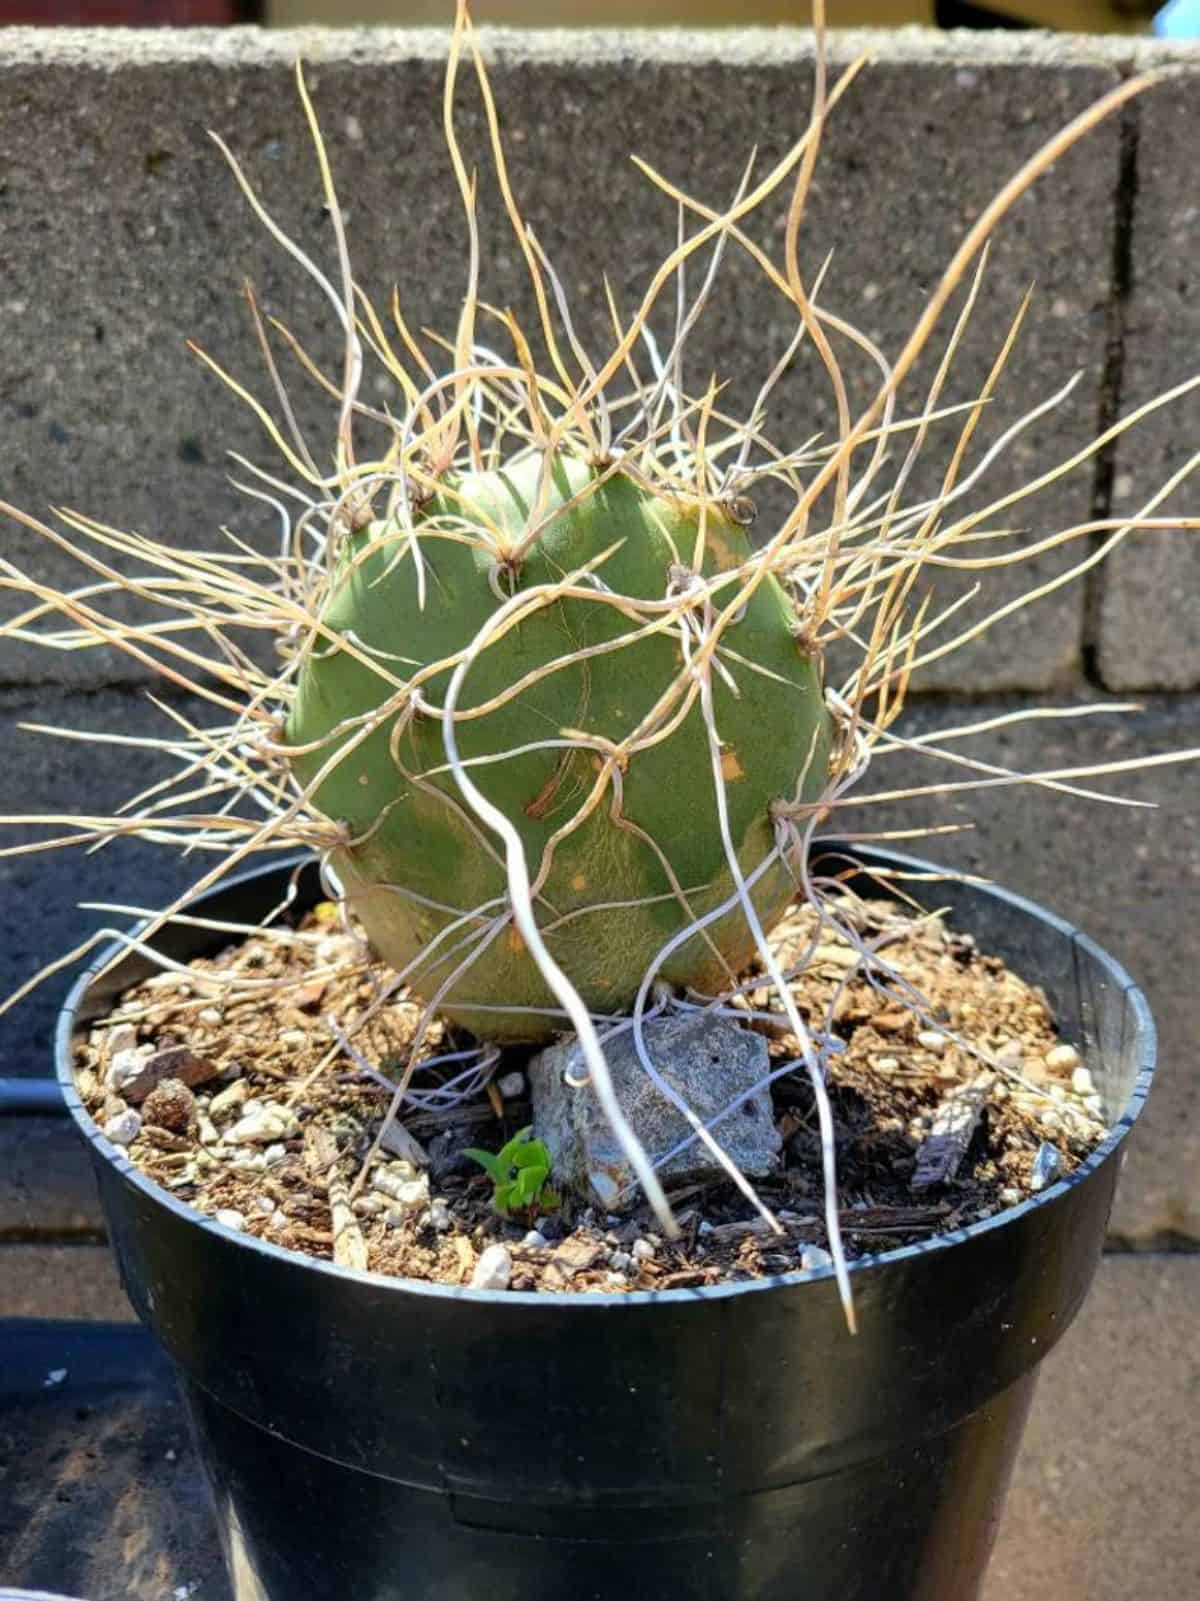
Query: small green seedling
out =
(519, 1172)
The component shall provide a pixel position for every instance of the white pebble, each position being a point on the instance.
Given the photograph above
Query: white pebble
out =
(1082, 1082)
(621, 1261)
(1010, 1055)
(535, 1240)
(1010, 1197)
(1051, 1120)
(492, 1269)
(511, 1085)
(230, 1219)
(617, 1281)
(293, 1038)
(121, 1037)
(1095, 1105)
(410, 1195)
(932, 1041)
(229, 1100)
(1063, 1059)
(334, 949)
(123, 1127)
(264, 1204)
(274, 1154)
(439, 1218)
(207, 1129)
(124, 1065)
(265, 1125)
(210, 1017)
(642, 1251)
(813, 1257)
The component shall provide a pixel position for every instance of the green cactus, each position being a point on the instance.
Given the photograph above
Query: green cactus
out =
(607, 904)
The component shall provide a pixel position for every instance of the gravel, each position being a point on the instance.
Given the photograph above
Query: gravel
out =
(122, 1128)
(1063, 1059)
(493, 1269)
(411, 1195)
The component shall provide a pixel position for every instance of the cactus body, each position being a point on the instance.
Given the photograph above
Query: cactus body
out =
(607, 904)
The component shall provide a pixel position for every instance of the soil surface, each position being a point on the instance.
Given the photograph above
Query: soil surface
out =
(251, 1087)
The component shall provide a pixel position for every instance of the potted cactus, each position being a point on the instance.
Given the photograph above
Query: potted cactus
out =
(552, 726)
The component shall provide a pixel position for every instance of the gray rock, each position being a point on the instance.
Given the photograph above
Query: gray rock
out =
(492, 1269)
(511, 1085)
(709, 1062)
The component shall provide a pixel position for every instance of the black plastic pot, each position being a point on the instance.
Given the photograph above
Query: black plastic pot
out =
(379, 1440)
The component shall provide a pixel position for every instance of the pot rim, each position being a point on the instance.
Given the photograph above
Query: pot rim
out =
(605, 1300)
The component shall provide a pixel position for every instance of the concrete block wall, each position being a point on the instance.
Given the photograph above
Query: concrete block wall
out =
(121, 234)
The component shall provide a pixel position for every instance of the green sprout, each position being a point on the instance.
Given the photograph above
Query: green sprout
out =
(519, 1172)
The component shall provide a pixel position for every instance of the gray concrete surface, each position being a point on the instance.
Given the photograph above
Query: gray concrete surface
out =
(125, 235)
(61, 1281)
(47, 1190)
(1148, 623)
(1101, 1508)
(41, 774)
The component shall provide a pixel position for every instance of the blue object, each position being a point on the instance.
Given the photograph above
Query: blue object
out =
(1178, 20)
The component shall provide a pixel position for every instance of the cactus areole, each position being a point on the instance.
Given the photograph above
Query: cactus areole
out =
(578, 716)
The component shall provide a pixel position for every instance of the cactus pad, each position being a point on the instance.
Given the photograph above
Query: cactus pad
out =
(425, 877)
